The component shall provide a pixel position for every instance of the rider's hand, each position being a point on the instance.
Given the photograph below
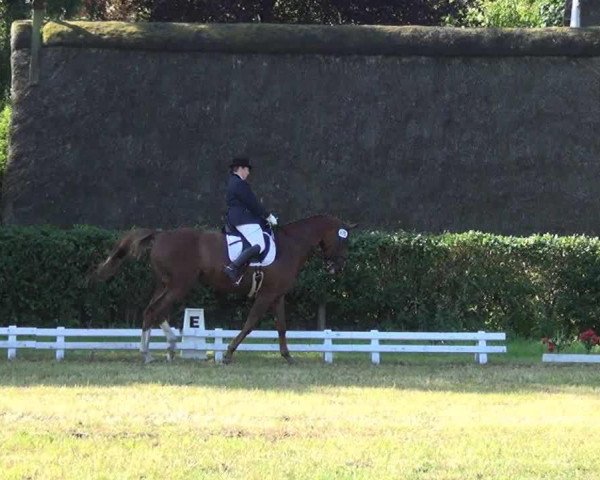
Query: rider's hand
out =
(272, 219)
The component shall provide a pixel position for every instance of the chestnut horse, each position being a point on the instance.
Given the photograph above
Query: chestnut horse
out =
(183, 256)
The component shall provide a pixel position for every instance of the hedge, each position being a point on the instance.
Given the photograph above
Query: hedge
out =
(530, 287)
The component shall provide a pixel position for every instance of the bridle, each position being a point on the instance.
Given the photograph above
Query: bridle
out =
(337, 259)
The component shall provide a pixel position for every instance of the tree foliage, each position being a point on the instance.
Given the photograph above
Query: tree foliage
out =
(4, 127)
(511, 13)
(390, 12)
(11, 10)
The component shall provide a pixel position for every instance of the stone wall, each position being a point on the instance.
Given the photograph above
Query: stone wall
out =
(418, 128)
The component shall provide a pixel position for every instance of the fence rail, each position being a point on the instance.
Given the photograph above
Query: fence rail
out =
(200, 340)
(570, 358)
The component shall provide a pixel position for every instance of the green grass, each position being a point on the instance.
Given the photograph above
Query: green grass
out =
(412, 417)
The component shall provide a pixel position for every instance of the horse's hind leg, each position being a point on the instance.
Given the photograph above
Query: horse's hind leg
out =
(160, 309)
(171, 339)
(159, 293)
(161, 301)
(280, 325)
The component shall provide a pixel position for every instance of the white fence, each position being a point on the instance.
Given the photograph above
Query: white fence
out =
(570, 358)
(197, 341)
(332, 342)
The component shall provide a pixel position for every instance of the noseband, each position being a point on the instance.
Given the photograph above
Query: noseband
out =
(342, 241)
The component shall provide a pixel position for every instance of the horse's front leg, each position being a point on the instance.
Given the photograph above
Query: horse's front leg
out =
(259, 308)
(280, 325)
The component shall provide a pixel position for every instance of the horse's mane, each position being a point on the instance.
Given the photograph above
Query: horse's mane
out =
(314, 218)
(297, 231)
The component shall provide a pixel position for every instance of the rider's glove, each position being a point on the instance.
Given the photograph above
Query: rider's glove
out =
(271, 219)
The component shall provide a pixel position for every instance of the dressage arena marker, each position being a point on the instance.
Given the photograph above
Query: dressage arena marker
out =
(196, 341)
(193, 322)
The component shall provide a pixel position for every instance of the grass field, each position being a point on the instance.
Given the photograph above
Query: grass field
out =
(412, 417)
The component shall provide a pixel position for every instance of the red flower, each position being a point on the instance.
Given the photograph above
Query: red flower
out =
(589, 338)
(550, 343)
(587, 335)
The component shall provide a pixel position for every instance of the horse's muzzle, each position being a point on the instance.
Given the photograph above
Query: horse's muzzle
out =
(334, 266)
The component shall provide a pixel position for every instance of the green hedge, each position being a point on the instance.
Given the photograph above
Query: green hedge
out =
(403, 281)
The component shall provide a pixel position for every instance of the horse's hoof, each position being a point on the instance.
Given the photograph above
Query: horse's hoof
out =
(289, 359)
(146, 359)
(170, 356)
(226, 360)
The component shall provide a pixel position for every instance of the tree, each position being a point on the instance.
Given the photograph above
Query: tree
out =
(512, 13)
(389, 12)
(11, 10)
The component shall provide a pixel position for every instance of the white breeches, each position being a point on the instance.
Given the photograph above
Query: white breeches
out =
(254, 234)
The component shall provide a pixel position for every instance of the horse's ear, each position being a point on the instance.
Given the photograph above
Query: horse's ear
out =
(351, 226)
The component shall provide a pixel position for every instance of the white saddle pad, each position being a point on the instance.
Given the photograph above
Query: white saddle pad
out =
(234, 248)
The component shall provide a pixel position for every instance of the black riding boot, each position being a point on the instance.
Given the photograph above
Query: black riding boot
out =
(232, 270)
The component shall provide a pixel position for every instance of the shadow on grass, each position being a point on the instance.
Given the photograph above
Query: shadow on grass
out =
(250, 370)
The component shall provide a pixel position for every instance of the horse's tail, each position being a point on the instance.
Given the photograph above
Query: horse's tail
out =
(132, 244)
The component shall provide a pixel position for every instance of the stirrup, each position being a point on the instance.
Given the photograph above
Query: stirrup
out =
(233, 275)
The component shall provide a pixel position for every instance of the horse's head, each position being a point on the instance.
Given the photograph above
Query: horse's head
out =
(334, 245)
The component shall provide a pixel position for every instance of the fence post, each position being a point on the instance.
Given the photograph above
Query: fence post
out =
(375, 358)
(218, 342)
(60, 343)
(12, 340)
(327, 342)
(481, 357)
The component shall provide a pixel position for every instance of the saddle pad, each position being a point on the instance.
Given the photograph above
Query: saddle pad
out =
(234, 248)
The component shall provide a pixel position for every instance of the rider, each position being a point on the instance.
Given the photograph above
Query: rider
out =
(245, 213)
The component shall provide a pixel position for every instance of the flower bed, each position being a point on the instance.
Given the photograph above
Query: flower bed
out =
(588, 339)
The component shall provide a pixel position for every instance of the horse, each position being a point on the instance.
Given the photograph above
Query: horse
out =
(181, 257)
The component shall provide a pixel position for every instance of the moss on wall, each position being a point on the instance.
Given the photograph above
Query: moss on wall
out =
(317, 39)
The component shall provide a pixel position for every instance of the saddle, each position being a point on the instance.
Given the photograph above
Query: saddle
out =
(236, 242)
